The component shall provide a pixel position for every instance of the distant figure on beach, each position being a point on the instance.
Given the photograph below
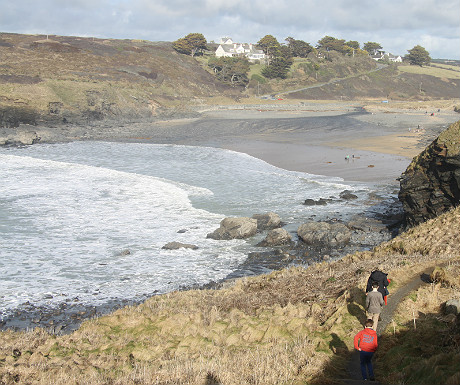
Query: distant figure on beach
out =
(366, 342)
(347, 158)
(382, 280)
(374, 303)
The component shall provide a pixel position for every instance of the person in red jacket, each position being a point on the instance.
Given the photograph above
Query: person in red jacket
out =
(366, 342)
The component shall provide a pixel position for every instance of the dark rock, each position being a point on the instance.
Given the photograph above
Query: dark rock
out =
(430, 185)
(347, 195)
(235, 228)
(178, 245)
(276, 237)
(452, 306)
(367, 225)
(14, 116)
(20, 138)
(319, 202)
(325, 234)
(267, 221)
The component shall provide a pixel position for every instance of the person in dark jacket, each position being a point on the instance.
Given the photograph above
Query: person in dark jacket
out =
(381, 278)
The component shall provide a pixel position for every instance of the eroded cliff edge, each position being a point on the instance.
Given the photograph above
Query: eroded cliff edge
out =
(430, 185)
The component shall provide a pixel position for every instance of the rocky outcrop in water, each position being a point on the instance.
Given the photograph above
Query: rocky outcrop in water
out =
(324, 234)
(267, 221)
(244, 227)
(431, 184)
(19, 138)
(319, 202)
(276, 237)
(179, 245)
(235, 228)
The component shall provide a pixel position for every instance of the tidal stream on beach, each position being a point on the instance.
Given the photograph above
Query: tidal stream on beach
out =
(85, 222)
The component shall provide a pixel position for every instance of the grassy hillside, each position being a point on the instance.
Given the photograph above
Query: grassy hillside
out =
(393, 82)
(59, 79)
(66, 78)
(293, 326)
(442, 71)
(422, 347)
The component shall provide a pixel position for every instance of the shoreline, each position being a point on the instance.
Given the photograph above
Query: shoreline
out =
(313, 144)
(379, 149)
(311, 137)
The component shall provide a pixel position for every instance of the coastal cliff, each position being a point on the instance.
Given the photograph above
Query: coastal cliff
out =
(430, 185)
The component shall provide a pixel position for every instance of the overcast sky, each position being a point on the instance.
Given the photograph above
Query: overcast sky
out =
(398, 25)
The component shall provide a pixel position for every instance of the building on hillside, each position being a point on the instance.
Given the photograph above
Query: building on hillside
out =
(227, 48)
(382, 55)
(393, 58)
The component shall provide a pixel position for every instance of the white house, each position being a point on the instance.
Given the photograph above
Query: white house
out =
(382, 55)
(393, 58)
(227, 49)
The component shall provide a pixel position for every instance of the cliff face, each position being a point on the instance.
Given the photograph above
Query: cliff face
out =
(431, 183)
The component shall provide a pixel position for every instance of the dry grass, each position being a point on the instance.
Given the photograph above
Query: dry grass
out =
(421, 346)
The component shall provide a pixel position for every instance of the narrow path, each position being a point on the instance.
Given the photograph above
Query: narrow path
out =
(332, 81)
(386, 316)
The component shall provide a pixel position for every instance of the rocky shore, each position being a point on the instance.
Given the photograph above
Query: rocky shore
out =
(312, 242)
(257, 134)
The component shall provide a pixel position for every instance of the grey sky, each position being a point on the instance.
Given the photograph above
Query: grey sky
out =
(398, 25)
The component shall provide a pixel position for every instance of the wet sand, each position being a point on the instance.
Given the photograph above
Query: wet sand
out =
(361, 165)
(380, 140)
(312, 137)
(338, 140)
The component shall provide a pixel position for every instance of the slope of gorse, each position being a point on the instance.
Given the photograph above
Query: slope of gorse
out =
(290, 326)
(72, 79)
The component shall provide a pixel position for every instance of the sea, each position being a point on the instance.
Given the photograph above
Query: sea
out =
(88, 220)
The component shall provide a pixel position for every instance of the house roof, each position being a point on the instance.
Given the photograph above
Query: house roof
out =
(248, 48)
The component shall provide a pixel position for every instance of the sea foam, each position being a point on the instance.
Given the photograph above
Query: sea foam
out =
(89, 219)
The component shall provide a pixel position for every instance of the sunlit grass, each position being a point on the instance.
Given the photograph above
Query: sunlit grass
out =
(447, 72)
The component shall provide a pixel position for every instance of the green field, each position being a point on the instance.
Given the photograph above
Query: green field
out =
(437, 70)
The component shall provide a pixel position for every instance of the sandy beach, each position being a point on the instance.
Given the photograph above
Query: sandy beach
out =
(351, 140)
(333, 139)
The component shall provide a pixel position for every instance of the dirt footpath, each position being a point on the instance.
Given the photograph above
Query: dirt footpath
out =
(386, 316)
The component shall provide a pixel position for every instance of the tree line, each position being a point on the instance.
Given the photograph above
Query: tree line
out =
(280, 57)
